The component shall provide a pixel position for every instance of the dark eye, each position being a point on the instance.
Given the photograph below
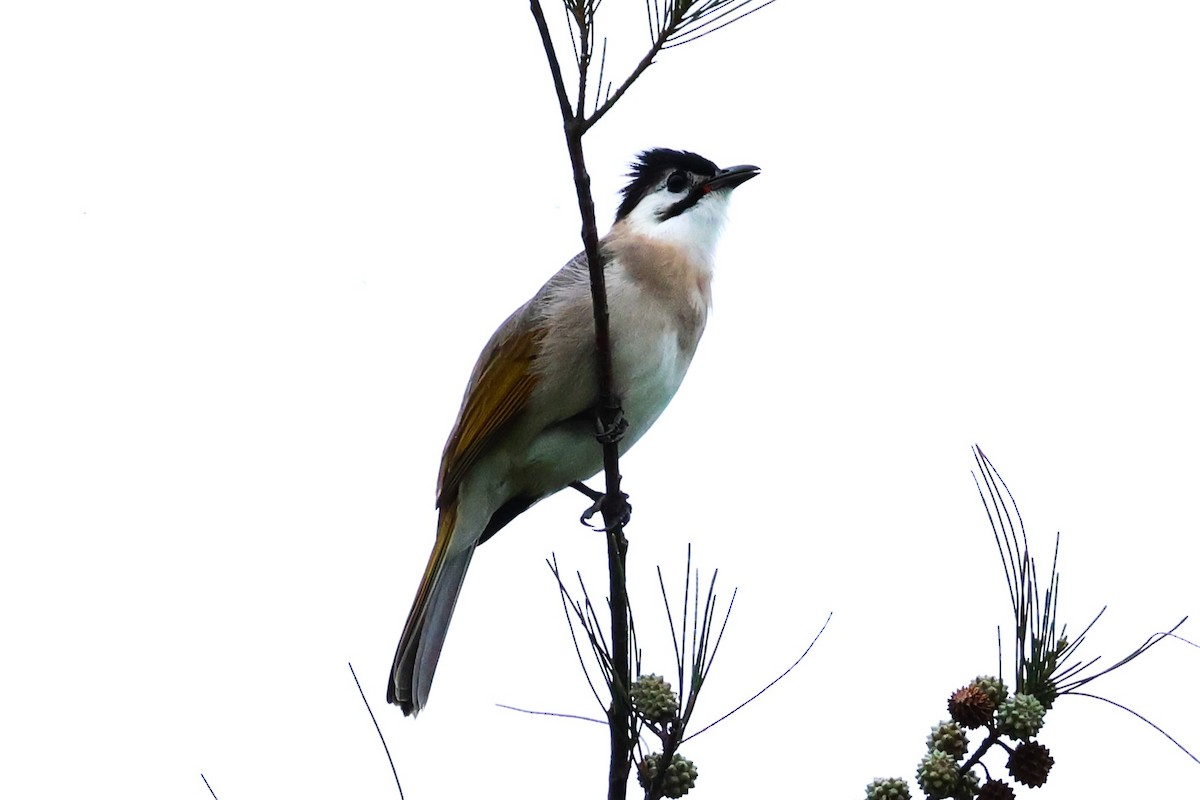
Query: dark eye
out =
(677, 182)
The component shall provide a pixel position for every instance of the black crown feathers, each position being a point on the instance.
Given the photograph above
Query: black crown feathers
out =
(649, 168)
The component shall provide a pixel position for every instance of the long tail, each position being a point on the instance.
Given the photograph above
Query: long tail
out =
(425, 631)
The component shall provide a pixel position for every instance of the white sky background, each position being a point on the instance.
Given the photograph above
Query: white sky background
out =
(250, 251)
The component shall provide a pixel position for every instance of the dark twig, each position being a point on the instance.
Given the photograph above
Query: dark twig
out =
(553, 714)
(377, 730)
(1172, 739)
(699, 33)
(1073, 686)
(586, 490)
(571, 31)
(720, 635)
(595, 630)
(560, 88)
(600, 78)
(641, 67)
(763, 690)
(1180, 638)
(210, 789)
(568, 606)
(679, 662)
(608, 415)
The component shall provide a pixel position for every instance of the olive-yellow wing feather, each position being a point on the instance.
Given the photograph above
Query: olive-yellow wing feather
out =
(499, 390)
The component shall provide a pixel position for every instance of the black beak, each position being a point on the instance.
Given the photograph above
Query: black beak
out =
(729, 178)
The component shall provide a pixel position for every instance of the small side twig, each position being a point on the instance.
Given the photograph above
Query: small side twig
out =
(763, 690)
(558, 714)
(1171, 738)
(569, 605)
(386, 751)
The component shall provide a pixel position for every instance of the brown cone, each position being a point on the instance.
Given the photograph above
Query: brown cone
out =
(1030, 763)
(996, 790)
(970, 706)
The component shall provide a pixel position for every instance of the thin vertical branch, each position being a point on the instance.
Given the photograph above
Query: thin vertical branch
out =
(560, 88)
(677, 17)
(609, 418)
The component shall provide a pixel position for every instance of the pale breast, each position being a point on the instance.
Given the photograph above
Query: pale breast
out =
(658, 305)
(657, 313)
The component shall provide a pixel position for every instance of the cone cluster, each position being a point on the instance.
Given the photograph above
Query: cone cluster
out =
(944, 775)
(681, 774)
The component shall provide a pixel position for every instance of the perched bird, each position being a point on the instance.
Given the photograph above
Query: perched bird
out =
(527, 428)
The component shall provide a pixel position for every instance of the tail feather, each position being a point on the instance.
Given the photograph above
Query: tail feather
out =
(428, 621)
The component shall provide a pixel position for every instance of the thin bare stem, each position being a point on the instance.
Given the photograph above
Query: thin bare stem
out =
(375, 722)
(709, 24)
(560, 88)
(641, 67)
(600, 77)
(584, 61)
(210, 789)
(763, 690)
(565, 595)
(553, 714)
(1172, 739)
(1072, 688)
(571, 31)
(671, 623)
(720, 635)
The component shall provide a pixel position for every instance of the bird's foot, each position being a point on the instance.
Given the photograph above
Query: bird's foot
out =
(611, 426)
(618, 510)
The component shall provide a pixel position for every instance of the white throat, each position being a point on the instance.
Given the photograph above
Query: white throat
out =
(696, 230)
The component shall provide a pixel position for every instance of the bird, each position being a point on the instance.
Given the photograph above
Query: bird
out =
(527, 426)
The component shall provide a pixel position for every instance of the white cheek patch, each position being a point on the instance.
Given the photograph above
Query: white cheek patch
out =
(695, 230)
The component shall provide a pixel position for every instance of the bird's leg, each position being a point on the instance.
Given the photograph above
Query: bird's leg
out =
(584, 489)
(622, 509)
(610, 422)
(610, 427)
(596, 497)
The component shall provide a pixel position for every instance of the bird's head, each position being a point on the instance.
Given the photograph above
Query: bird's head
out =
(680, 197)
